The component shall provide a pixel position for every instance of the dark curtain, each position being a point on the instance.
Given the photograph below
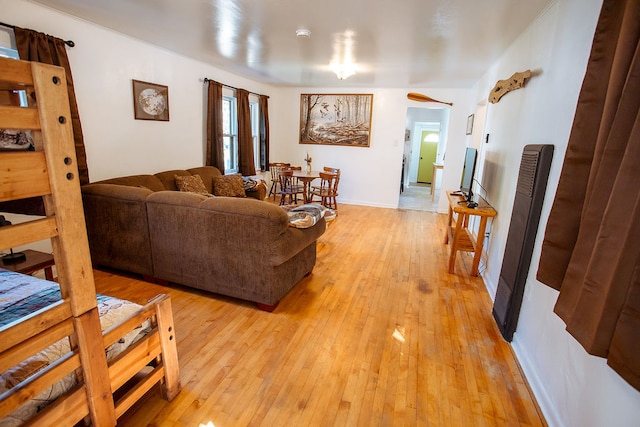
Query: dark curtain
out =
(591, 249)
(39, 47)
(264, 132)
(215, 147)
(246, 164)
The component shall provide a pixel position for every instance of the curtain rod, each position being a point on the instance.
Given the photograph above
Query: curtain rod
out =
(69, 43)
(205, 80)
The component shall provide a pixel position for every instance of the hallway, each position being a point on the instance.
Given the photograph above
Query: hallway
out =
(417, 197)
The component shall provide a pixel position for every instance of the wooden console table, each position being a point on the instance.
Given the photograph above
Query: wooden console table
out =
(459, 235)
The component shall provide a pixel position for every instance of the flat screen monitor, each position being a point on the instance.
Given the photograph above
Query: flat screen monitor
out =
(468, 170)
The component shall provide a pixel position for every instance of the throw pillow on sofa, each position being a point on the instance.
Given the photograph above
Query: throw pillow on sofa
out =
(191, 184)
(228, 186)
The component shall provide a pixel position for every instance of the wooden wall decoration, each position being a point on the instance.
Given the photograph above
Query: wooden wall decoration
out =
(414, 96)
(516, 81)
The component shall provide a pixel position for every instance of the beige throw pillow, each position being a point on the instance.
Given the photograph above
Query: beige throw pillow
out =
(228, 186)
(191, 184)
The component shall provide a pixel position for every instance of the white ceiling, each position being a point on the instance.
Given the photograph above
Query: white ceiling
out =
(399, 43)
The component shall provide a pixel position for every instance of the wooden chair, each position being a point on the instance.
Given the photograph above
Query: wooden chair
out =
(330, 170)
(328, 190)
(336, 171)
(275, 168)
(289, 186)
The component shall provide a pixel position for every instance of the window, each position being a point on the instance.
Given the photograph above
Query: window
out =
(230, 133)
(255, 132)
(8, 50)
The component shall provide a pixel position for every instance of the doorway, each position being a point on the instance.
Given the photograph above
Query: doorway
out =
(428, 152)
(425, 144)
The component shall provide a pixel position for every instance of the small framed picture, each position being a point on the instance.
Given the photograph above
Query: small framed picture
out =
(470, 124)
(150, 101)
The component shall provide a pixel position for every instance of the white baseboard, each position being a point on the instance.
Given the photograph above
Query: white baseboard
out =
(537, 386)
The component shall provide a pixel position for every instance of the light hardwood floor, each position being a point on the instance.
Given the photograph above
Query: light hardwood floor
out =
(379, 335)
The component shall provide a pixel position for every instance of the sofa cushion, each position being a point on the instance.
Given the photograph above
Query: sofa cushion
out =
(206, 173)
(168, 178)
(191, 184)
(228, 186)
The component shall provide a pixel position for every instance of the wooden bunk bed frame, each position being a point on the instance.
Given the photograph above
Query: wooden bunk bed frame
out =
(51, 172)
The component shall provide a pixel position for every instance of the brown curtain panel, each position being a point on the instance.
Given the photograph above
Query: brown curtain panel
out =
(215, 149)
(39, 47)
(246, 165)
(591, 248)
(264, 132)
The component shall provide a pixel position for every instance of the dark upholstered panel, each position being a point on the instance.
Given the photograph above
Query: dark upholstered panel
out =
(117, 227)
(241, 248)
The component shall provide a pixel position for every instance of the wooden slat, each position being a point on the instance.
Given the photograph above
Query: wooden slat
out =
(68, 409)
(33, 324)
(19, 118)
(28, 232)
(15, 74)
(31, 346)
(167, 330)
(94, 368)
(39, 382)
(127, 364)
(137, 391)
(23, 174)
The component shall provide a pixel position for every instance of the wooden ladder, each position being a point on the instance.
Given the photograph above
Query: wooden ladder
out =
(51, 172)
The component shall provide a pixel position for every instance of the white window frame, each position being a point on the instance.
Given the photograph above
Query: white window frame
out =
(255, 132)
(230, 137)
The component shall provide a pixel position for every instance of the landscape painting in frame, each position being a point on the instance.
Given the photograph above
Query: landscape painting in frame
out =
(336, 119)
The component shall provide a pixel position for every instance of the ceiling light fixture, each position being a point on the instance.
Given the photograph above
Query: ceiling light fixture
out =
(343, 61)
(343, 71)
(303, 33)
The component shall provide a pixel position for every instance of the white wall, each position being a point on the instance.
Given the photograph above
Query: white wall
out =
(369, 176)
(103, 64)
(573, 388)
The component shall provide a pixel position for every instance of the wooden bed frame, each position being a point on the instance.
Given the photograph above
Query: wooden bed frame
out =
(51, 172)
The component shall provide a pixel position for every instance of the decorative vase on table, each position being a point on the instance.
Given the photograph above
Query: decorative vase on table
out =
(308, 160)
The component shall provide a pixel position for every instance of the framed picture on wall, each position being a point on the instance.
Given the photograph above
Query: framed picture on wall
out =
(150, 101)
(336, 119)
(470, 124)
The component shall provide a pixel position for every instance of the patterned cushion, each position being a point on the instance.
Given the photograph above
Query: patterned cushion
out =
(191, 184)
(228, 186)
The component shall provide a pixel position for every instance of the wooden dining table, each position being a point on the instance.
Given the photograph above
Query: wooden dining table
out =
(306, 178)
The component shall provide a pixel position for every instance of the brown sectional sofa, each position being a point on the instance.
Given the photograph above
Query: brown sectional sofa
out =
(239, 247)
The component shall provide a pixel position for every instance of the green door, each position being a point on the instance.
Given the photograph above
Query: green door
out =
(428, 152)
